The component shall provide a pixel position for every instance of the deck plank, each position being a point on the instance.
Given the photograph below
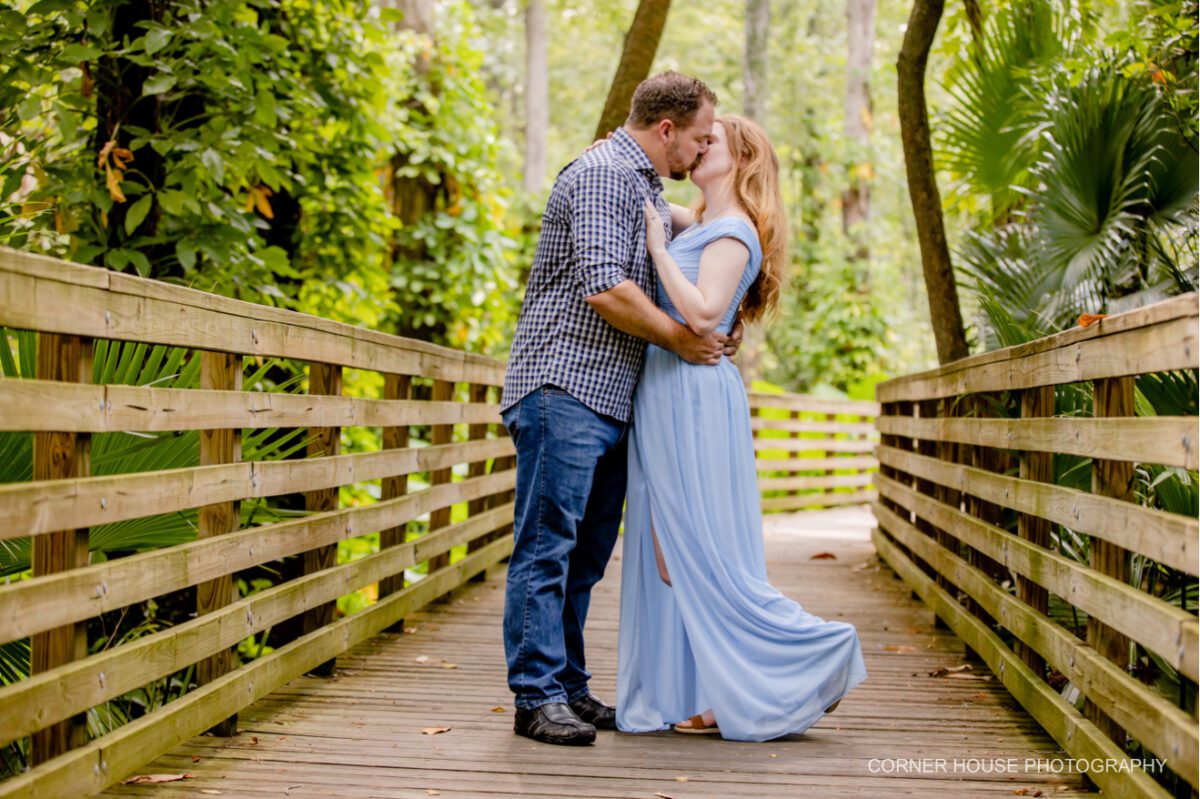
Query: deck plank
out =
(359, 734)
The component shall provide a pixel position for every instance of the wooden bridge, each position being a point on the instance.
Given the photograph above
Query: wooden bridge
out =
(1004, 657)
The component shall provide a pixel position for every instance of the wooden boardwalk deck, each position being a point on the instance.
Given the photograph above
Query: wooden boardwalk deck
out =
(360, 734)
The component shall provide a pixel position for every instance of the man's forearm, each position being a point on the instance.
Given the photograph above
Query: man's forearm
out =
(627, 308)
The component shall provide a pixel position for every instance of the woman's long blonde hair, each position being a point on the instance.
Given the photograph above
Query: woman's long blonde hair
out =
(755, 183)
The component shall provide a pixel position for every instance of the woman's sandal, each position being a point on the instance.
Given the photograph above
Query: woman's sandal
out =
(832, 707)
(696, 726)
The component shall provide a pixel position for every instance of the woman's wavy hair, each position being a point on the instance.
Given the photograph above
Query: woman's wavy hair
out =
(755, 181)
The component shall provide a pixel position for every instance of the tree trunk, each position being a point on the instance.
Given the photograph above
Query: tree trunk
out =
(537, 96)
(922, 182)
(641, 43)
(755, 61)
(755, 77)
(856, 200)
(974, 19)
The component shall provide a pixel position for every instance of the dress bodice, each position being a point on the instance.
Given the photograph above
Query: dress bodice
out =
(687, 247)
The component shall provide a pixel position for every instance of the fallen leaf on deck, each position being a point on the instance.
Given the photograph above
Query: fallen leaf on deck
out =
(432, 792)
(423, 658)
(681, 779)
(448, 665)
(155, 778)
(944, 670)
(435, 730)
(772, 755)
(288, 790)
(1028, 792)
(662, 795)
(824, 556)
(499, 709)
(899, 648)
(410, 630)
(195, 758)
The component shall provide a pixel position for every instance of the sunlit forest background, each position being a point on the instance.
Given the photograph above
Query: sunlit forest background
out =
(385, 164)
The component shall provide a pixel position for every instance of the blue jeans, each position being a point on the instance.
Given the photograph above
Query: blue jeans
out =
(570, 490)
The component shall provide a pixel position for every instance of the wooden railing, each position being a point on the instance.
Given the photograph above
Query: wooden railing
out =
(813, 451)
(73, 308)
(969, 508)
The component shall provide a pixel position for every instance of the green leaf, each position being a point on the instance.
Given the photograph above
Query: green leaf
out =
(141, 262)
(49, 6)
(75, 53)
(158, 84)
(156, 39)
(137, 212)
(185, 251)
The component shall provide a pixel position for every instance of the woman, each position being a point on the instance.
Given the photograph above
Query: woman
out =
(705, 641)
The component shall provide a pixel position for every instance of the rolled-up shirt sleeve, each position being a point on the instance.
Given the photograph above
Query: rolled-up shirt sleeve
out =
(605, 211)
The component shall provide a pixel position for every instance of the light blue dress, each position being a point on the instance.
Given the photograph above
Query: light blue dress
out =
(721, 636)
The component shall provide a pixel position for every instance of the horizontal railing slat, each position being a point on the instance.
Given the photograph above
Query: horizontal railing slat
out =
(54, 600)
(1165, 729)
(1166, 440)
(1170, 538)
(48, 505)
(1169, 631)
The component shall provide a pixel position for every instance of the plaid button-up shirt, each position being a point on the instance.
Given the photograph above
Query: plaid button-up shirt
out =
(593, 237)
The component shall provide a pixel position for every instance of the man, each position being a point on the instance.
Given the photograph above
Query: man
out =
(568, 389)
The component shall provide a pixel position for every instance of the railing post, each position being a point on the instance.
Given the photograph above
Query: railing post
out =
(60, 455)
(829, 417)
(1037, 466)
(1111, 397)
(323, 379)
(219, 371)
(443, 391)
(981, 458)
(929, 447)
(477, 394)
(792, 435)
(898, 408)
(395, 387)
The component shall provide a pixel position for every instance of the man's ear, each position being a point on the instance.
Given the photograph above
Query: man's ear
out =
(666, 128)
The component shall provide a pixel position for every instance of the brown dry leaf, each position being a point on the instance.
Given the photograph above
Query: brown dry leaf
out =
(944, 670)
(435, 730)
(1027, 791)
(681, 779)
(1086, 319)
(423, 658)
(899, 648)
(195, 758)
(113, 182)
(261, 193)
(156, 778)
(499, 709)
(254, 740)
(448, 665)
(824, 556)
(772, 755)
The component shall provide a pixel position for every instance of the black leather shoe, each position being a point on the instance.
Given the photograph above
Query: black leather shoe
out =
(554, 723)
(595, 712)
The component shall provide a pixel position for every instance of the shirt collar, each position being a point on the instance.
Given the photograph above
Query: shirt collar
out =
(629, 149)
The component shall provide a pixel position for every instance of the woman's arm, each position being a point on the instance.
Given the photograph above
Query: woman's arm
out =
(721, 266)
(681, 219)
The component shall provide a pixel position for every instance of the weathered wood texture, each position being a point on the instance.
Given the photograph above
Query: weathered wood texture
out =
(813, 452)
(360, 735)
(960, 530)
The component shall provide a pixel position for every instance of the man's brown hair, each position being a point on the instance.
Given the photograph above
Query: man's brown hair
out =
(668, 95)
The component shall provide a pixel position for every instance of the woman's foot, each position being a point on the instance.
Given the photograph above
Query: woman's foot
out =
(703, 724)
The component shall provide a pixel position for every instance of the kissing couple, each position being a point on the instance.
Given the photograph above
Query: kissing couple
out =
(619, 392)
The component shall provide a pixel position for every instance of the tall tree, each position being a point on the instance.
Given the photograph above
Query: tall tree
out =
(755, 60)
(537, 95)
(940, 287)
(641, 43)
(856, 199)
(755, 75)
